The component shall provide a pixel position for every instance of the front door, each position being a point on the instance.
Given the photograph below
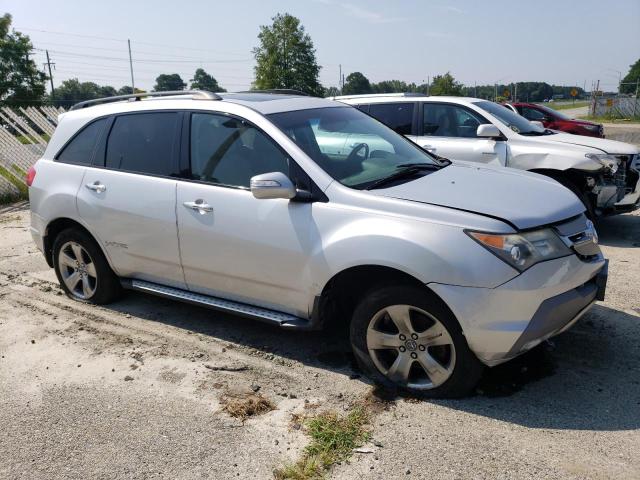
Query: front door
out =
(449, 130)
(232, 244)
(128, 198)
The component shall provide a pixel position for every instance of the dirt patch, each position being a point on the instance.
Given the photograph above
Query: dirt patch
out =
(245, 405)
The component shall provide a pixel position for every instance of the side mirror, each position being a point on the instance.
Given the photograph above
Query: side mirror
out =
(537, 123)
(488, 130)
(272, 185)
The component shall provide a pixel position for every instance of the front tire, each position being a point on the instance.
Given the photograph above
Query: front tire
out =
(405, 337)
(82, 269)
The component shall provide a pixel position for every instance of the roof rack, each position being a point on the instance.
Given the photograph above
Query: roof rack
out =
(376, 95)
(196, 94)
(279, 91)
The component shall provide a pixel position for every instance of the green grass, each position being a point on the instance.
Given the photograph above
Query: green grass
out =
(16, 182)
(566, 106)
(610, 119)
(28, 141)
(333, 438)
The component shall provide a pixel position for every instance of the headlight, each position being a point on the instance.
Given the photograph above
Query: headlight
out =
(592, 128)
(522, 250)
(608, 161)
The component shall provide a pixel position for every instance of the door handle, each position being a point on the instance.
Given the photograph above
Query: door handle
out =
(96, 187)
(200, 206)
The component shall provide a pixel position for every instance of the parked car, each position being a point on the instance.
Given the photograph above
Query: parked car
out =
(231, 202)
(550, 118)
(604, 174)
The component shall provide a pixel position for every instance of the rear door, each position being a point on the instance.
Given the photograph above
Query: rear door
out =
(128, 196)
(399, 116)
(449, 130)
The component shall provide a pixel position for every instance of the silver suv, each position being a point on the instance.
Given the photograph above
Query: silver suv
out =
(260, 204)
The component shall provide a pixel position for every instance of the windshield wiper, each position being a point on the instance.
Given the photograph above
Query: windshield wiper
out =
(402, 171)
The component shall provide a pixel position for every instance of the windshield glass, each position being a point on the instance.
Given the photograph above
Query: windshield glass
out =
(553, 112)
(512, 120)
(349, 145)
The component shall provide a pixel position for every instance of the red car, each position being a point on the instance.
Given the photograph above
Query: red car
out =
(556, 120)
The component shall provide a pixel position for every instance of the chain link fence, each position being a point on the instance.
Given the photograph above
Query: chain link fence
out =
(24, 133)
(619, 107)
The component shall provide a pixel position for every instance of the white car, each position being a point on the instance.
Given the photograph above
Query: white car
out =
(236, 202)
(604, 174)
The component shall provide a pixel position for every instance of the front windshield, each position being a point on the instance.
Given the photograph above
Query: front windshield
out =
(512, 120)
(349, 145)
(554, 113)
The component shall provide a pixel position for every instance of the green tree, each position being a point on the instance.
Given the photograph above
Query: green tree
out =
(630, 81)
(21, 83)
(331, 92)
(203, 81)
(166, 82)
(356, 84)
(73, 91)
(286, 57)
(446, 85)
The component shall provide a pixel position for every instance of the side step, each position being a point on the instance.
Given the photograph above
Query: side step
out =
(273, 317)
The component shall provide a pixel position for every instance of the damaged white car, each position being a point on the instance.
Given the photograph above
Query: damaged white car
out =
(604, 174)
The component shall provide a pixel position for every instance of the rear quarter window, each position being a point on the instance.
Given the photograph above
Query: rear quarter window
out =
(80, 149)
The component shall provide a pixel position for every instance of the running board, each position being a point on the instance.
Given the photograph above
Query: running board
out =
(273, 317)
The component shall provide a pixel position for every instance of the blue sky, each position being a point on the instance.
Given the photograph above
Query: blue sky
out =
(561, 41)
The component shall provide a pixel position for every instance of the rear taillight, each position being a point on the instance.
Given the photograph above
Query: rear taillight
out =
(31, 174)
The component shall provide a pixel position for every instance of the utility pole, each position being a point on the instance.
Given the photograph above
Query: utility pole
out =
(340, 78)
(595, 98)
(495, 93)
(48, 64)
(133, 87)
(475, 89)
(428, 85)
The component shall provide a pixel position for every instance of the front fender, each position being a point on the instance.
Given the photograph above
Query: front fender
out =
(429, 252)
(551, 161)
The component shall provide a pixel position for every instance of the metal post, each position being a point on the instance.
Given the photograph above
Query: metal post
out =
(53, 92)
(133, 86)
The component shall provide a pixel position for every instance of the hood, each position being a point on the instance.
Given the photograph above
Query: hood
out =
(577, 121)
(525, 200)
(602, 144)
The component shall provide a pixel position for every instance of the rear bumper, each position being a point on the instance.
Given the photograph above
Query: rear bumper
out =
(503, 322)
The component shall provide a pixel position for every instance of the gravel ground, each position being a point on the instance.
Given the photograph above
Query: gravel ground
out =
(134, 390)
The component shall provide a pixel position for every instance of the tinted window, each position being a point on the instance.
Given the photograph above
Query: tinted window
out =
(398, 116)
(532, 114)
(229, 151)
(143, 143)
(80, 149)
(442, 120)
(364, 107)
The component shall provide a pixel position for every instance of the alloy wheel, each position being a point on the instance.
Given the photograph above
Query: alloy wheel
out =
(78, 270)
(411, 347)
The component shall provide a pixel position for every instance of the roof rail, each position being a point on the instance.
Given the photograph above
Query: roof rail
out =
(196, 94)
(279, 91)
(377, 95)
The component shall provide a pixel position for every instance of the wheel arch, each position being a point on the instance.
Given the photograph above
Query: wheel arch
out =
(56, 226)
(342, 292)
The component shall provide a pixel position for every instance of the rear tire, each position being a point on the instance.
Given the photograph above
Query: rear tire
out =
(82, 269)
(405, 337)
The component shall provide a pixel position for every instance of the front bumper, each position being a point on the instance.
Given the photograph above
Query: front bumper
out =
(503, 322)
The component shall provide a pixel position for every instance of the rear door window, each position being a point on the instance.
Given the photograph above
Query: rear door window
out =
(80, 150)
(398, 116)
(144, 143)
